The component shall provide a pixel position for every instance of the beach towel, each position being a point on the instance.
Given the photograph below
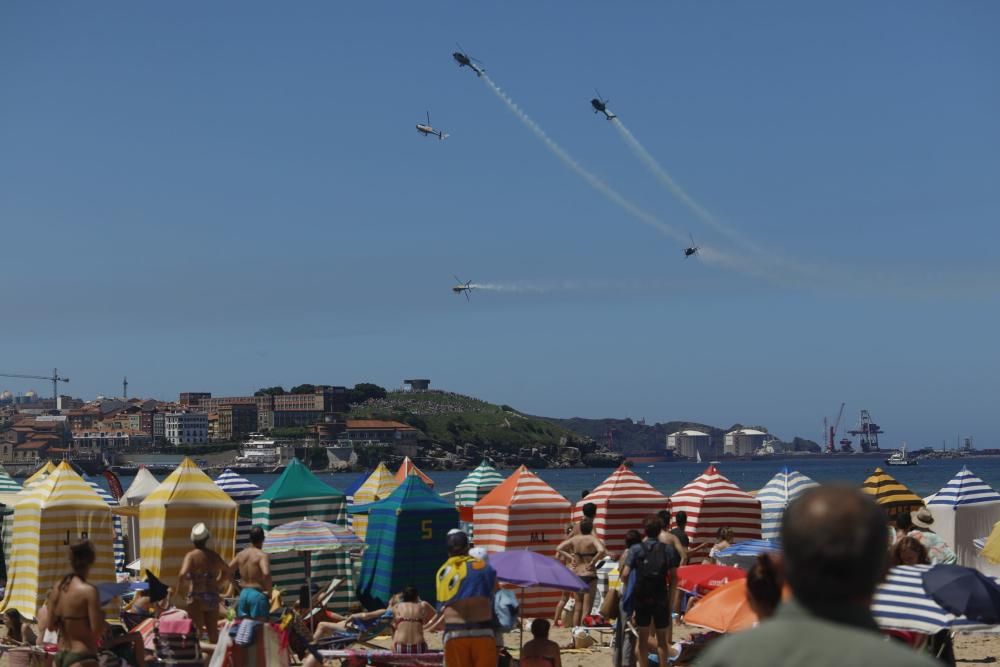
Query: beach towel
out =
(463, 577)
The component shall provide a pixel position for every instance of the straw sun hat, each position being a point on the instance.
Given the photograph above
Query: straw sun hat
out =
(200, 533)
(922, 518)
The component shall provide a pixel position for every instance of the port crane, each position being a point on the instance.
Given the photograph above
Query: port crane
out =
(830, 432)
(55, 379)
(869, 432)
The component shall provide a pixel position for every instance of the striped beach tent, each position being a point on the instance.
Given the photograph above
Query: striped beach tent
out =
(116, 522)
(8, 518)
(623, 501)
(775, 496)
(965, 508)
(892, 495)
(187, 496)
(351, 489)
(49, 516)
(243, 491)
(8, 499)
(378, 486)
(296, 495)
(524, 513)
(712, 502)
(406, 542)
(142, 485)
(902, 603)
(407, 468)
(472, 489)
(40, 474)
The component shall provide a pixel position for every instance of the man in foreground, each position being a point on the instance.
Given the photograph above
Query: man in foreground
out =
(834, 556)
(254, 568)
(465, 587)
(654, 564)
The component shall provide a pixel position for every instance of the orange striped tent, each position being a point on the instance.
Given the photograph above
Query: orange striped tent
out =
(623, 501)
(891, 494)
(407, 468)
(712, 502)
(524, 513)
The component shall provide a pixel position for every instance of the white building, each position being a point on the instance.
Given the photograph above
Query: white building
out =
(689, 443)
(743, 441)
(186, 428)
(94, 443)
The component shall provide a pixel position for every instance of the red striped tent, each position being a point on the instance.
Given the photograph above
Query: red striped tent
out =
(407, 468)
(712, 502)
(524, 513)
(623, 501)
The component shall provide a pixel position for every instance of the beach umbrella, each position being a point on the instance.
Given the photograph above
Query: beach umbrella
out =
(743, 553)
(702, 578)
(623, 501)
(407, 468)
(524, 513)
(901, 602)
(725, 609)
(782, 489)
(378, 486)
(964, 591)
(308, 537)
(963, 509)
(890, 494)
(243, 491)
(712, 502)
(116, 521)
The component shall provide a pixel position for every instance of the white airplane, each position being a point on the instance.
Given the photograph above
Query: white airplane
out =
(427, 129)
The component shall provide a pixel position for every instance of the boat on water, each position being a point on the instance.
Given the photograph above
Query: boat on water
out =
(899, 458)
(259, 453)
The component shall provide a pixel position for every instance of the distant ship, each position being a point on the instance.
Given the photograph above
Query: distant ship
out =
(899, 458)
(259, 453)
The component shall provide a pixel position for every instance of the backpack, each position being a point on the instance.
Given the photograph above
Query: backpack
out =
(652, 567)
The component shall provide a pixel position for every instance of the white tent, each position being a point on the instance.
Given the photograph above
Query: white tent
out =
(143, 485)
(966, 508)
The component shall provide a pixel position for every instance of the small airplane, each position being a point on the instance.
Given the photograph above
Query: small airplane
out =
(466, 287)
(464, 60)
(601, 105)
(692, 249)
(427, 129)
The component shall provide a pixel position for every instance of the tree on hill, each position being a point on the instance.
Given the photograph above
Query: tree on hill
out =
(303, 389)
(363, 391)
(270, 391)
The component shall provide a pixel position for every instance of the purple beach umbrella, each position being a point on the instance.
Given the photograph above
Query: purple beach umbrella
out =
(527, 568)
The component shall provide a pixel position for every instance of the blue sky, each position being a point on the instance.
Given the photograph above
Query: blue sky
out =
(226, 196)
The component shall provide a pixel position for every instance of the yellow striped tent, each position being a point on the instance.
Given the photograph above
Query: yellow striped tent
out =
(380, 484)
(40, 474)
(186, 497)
(893, 496)
(47, 519)
(8, 520)
(299, 494)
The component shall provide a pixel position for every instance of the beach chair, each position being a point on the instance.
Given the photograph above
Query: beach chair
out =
(176, 642)
(324, 599)
(384, 658)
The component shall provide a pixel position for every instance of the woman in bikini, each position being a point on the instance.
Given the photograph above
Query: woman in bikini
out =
(408, 617)
(74, 611)
(202, 575)
(584, 552)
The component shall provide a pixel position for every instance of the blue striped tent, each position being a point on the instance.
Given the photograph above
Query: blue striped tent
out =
(965, 508)
(902, 603)
(406, 542)
(744, 553)
(298, 494)
(116, 521)
(775, 496)
(243, 491)
(352, 489)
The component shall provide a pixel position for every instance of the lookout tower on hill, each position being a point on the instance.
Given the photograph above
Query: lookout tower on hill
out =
(417, 385)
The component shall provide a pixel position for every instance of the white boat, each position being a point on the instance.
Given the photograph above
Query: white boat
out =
(899, 458)
(259, 450)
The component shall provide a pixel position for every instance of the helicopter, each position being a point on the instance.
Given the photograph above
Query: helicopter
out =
(466, 287)
(692, 249)
(464, 60)
(601, 105)
(427, 129)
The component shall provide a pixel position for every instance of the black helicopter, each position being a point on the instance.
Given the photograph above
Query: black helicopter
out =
(601, 105)
(464, 60)
(466, 287)
(692, 249)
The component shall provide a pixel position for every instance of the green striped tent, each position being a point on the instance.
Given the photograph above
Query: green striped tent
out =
(8, 498)
(406, 542)
(473, 488)
(298, 494)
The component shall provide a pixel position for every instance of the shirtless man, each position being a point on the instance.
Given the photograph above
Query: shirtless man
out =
(467, 608)
(74, 611)
(202, 575)
(540, 651)
(254, 568)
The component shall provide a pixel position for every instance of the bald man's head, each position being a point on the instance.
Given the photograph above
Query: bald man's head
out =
(835, 543)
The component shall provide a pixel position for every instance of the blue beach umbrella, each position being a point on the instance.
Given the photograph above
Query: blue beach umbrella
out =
(964, 591)
(902, 603)
(744, 553)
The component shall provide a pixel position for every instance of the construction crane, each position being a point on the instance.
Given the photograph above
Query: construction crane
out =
(831, 434)
(55, 379)
(869, 432)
